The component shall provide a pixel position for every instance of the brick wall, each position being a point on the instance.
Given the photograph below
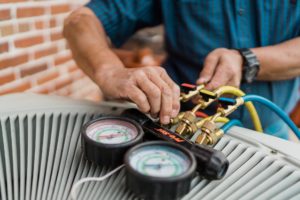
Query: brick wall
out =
(34, 57)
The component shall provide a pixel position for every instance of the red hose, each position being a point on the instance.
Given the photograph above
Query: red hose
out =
(201, 114)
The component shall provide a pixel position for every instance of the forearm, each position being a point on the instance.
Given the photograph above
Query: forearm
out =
(149, 87)
(88, 43)
(279, 62)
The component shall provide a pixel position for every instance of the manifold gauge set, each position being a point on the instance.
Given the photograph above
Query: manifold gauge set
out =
(160, 164)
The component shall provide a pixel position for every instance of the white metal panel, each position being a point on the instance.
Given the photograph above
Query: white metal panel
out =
(40, 157)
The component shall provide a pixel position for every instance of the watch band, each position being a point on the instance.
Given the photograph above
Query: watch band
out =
(250, 66)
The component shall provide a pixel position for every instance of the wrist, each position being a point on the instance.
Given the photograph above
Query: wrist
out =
(239, 56)
(107, 65)
(106, 71)
(239, 60)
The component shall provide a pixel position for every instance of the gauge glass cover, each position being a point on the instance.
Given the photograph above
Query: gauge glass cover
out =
(112, 131)
(159, 161)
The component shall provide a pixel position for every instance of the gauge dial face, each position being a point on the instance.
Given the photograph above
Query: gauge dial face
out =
(112, 131)
(159, 161)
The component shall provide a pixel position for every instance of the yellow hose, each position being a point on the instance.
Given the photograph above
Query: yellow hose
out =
(222, 120)
(249, 105)
(219, 119)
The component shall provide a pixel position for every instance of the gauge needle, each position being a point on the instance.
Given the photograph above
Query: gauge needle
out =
(158, 166)
(111, 136)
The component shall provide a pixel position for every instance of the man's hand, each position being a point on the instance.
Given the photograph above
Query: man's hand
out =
(221, 67)
(150, 88)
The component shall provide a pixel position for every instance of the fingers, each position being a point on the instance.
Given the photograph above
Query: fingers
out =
(221, 67)
(234, 81)
(175, 91)
(220, 78)
(166, 98)
(149, 87)
(162, 94)
(139, 98)
(166, 106)
(210, 64)
(152, 92)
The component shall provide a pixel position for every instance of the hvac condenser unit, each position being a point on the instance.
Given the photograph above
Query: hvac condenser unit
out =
(41, 156)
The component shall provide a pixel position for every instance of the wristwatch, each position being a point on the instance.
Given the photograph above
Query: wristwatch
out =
(250, 66)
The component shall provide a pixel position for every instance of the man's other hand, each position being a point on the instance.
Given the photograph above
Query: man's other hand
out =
(150, 88)
(221, 67)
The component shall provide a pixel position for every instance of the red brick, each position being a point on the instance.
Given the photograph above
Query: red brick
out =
(62, 82)
(62, 59)
(39, 25)
(11, 1)
(45, 52)
(6, 30)
(7, 77)
(3, 47)
(30, 12)
(13, 61)
(64, 91)
(60, 9)
(33, 69)
(5, 14)
(27, 42)
(53, 23)
(24, 27)
(56, 36)
(47, 76)
(42, 90)
(20, 87)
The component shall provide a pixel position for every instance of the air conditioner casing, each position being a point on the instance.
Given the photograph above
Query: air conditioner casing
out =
(41, 157)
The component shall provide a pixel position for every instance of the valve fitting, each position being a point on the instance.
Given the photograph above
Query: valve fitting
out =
(187, 124)
(176, 119)
(210, 134)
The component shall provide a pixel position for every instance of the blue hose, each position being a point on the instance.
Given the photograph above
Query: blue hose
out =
(274, 108)
(231, 123)
(233, 101)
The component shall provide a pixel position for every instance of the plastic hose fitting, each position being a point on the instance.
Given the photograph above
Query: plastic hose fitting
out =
(192, 92)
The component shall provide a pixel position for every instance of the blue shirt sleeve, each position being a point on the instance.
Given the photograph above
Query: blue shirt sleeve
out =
(122, 18)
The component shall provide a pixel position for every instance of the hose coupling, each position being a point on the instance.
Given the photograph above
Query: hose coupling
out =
(187, 125)
(210, 134)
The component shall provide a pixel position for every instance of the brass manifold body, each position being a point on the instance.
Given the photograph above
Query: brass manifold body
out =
(186, 121)
(210, 133)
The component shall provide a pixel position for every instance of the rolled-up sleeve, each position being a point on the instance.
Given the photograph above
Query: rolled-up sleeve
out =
(122, 18)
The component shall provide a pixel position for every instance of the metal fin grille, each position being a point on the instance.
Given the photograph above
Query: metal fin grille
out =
(251, 175)
(40, 158)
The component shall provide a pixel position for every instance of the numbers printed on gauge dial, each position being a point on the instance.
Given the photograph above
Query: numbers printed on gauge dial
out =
(112, 131)
(159, 161)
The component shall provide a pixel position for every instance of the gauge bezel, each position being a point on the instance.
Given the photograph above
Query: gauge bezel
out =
(139, 136)
(191, 169)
